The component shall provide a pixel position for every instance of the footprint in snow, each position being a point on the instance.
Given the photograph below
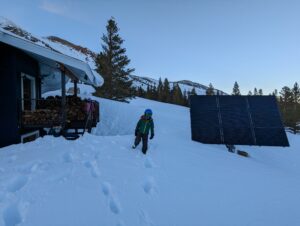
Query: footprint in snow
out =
(106, 188)
(1, 196)
(17, 183)
(120, 223)
(114, 204)
(144, 219)
(68, 157)
(29, 168)
(93, 167)
(11, 215)
(12, 159)
(149, 185)
(148, 163)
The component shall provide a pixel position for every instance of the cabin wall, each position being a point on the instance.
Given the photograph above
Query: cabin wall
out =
(12, 63)
(9, 133)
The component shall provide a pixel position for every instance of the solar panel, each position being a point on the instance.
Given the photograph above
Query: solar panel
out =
(240, 120)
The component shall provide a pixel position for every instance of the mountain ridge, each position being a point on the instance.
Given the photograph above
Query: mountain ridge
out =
(85, 54)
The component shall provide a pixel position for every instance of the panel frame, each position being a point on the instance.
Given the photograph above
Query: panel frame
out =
(250, 111)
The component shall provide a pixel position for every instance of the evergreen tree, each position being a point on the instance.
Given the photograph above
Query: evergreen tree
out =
(296, 93)
(141, 92)
(185, 98)
(148, 94)
(275, 93)
(236, 90)
(112, 64)
(260, 92)
(166, 91)
(154, 93)
(286, 95)
(210, 90)
(160, 90)
(290, 109)
(250, 93)
(193, 91)
(177, 97)
(255, 92)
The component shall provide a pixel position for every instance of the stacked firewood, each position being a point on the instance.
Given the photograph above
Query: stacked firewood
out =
(75, 109)
(49, 111)
(41, 117)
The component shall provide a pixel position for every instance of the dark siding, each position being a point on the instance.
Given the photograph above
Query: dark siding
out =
(9, 133)
(12, 63)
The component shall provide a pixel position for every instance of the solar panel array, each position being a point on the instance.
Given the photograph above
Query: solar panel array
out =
(240, 120)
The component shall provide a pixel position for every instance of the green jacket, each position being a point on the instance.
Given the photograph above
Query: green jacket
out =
(144, 125)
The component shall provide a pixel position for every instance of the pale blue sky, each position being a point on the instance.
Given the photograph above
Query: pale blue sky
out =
(254, 42)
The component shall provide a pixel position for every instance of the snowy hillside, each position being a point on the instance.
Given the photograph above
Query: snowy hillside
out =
(184, 85)
(51, 43)
(100, 180)
(85, 54)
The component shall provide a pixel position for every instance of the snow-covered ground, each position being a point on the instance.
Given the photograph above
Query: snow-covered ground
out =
(99, 180)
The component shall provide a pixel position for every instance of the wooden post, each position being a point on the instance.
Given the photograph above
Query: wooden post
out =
(63, 96)
(75, 88)
(75, 94)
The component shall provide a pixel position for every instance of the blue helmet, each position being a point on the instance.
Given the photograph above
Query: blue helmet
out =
(148, 112)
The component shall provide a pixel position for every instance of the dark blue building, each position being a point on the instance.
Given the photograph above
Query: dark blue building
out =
(22, 68)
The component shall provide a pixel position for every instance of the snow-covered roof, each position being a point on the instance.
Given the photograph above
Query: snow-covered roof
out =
(79, 68)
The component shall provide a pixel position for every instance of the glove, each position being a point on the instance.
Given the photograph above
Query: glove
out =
(136, 133)
(151, 137)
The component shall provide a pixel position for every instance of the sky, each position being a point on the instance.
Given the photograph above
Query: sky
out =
(253, 42)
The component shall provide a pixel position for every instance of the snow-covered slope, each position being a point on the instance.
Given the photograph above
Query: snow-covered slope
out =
(54, 44)
(100, 180)
(184, 85)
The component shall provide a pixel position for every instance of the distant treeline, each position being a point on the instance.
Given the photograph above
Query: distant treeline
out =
(288, 101)
(112, 63)
(164, 93)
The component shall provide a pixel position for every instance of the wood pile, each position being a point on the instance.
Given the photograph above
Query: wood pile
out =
(41, 117)
(49, 111)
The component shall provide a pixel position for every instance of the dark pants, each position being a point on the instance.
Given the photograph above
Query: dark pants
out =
(144, 138)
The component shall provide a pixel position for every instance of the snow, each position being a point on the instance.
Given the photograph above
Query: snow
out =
(99, 180)
(144, 82)
(91, 72)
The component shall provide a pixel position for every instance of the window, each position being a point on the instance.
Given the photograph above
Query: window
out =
(28, 137)
(28, 92)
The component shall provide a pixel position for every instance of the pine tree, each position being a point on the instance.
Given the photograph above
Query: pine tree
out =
(160, 90)
(255, 92)
(260, 92)
(148, 94)
(289, 108)
(185, 98)
(275, 93)
(210, 90)
(141, 92)
(286, 95)
(154, 93)
(236, 90)
(177, 97)
(296, 93)
(250, 93)
(166, 91)
(193, 91)
(112, 64)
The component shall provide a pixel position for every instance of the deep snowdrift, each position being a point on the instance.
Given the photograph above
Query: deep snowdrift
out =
(100, 180)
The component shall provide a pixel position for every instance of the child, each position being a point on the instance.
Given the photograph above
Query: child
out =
(142, 130)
